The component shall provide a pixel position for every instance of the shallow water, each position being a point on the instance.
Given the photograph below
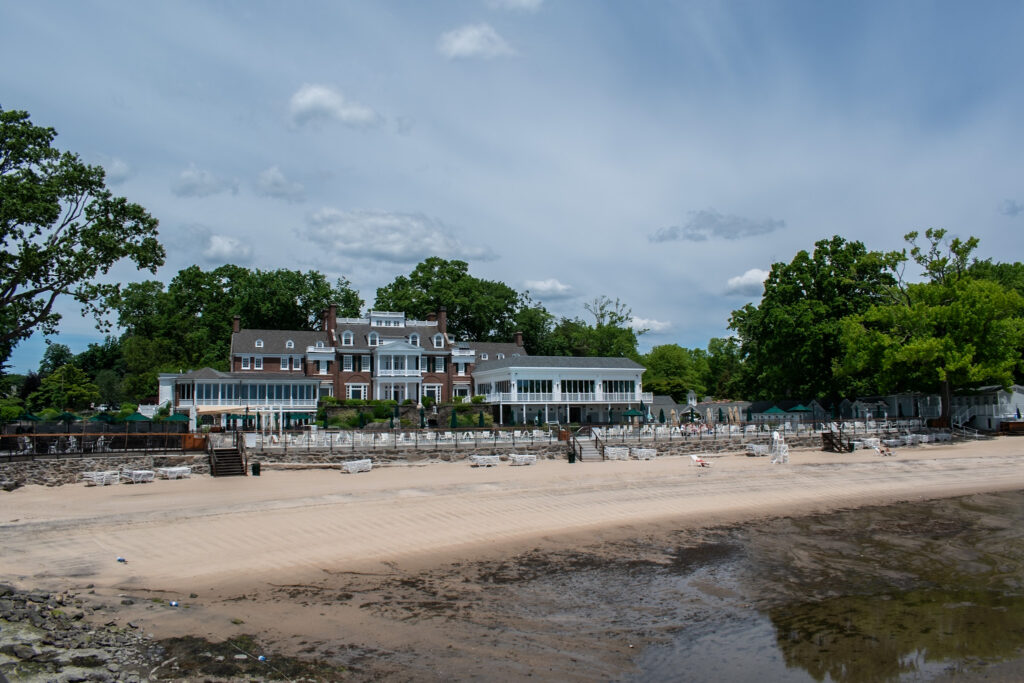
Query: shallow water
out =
(898, 593)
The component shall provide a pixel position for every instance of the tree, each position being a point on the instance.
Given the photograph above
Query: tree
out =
(61, 229)
(674, 370)
(68, 388)
(478, 310)
(55, 356)
(949, 332)
(790, 340)
(724, 378)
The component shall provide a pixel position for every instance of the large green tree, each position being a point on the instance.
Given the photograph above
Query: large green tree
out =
(790, 340)
(724, 378)
(674, 370)
(945, 333)
(477, 309)
(68, 388)
(62, 230)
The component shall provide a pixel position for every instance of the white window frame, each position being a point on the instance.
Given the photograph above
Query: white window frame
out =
(500, 356)
(364, 390)
(245, 362)
(373, 339)
(346, 338)
(460, 390)
(322, 367)
(364, 364)
(319, 345)
(259, 343)
(284, 362)
(347, 360)
(289, 344)
(438, 341)
(297, 363)
(414, 339)
(483, 356)
(257, 363)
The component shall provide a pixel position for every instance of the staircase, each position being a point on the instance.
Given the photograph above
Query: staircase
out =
(832, 440)
(226, 462)
(588, 451)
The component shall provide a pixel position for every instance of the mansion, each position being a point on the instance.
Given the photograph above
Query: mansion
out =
(279, 375)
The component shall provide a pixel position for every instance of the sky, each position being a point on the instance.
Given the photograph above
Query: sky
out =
(663, 153)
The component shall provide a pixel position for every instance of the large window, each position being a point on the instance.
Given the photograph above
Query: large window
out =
(577, 386)
(323, 365)
(533, 386)
(619, 386)
(258, 363)
(373, 339)
(366, 363)
(347, 363)
(356, 391)
(245, 362)
(284, 362)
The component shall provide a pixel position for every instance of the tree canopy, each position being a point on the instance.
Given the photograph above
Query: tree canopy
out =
(61, 229)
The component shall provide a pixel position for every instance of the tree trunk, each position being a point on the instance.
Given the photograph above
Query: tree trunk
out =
(947, 407)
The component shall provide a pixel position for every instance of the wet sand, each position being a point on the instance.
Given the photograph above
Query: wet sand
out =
(444, 570)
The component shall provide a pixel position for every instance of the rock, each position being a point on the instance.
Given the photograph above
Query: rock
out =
(127, 601)
(23, 651)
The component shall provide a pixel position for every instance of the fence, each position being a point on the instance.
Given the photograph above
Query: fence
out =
(31, 446)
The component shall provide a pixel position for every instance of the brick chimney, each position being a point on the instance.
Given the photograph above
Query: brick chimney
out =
(519, 338)
(442, 320)
(236, 324)
(331, 322)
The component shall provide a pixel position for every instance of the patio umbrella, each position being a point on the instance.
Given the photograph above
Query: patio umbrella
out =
(177, 417)
(136, 417)
(750, 414)
(391, 422)
(102, 417)
(67, 417)
(423, 421)
(721, 415)
(661, 416)
(32, 418)
(480, 419)
(455, 419)
(362, 419)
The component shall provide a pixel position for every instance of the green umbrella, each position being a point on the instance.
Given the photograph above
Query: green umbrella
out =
(177, 417)
(721, 415)
(661, 416)
(136, 417)
(423, 421)
(102, 417)
(480, 419)
(513, 422)
(30, 417)
(538, 418)
(391, 422)
(750, 414)
(632, 412)
(67, 417)
(455, 419)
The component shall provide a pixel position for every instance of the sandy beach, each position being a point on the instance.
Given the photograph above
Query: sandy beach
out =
(267, 555)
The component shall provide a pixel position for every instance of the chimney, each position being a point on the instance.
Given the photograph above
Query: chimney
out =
(519, 338)
(236, 324)
(331, 318)
(442, 320)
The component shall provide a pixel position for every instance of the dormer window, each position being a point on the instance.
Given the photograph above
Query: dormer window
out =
(346, 338)
(319, 345)
(500, 356)
(483, 356)
(438, 341)
(373, 339)
(259, 343)
(414, 339)
(289, 344)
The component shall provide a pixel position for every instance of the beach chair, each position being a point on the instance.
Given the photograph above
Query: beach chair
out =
(645, 453)
(616, 452)
(699, 461)
(24, 445)
(130, 476)
(484, 460)
(522, 459)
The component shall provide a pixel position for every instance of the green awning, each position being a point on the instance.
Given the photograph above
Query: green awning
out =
(801, 408)
(633, 413)
(177, 417)
(775, 410)
(136, 417)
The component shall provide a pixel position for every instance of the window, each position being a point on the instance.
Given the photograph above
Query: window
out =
(259, 343)
(414, 339)
(461, 390)
(322, 366)
(373, 339)
(346, 338)
(319, 345)
(258, 363)
(439, 364)
(438, 341)
(347, 363)
(284, 362)
(500, 356)
(356, 391)
(289, 344)
(483, 356)
(533, 386)
(365, 363)
(297, 363)
(245, 362)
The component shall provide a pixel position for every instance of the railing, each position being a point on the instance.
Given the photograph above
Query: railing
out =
(400, 372)
(26, 447)
(239, 403)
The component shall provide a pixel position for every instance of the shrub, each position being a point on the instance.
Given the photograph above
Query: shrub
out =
(428, 401)
(457, 400)
(477, 399)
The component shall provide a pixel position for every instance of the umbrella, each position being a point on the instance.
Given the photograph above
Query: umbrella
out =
(136, 417)
(177, 417)
(1018, 413)
(721, 415)
(537, 419)
(513, 417)
(455, 418)
(661, 416)
(103, 417)
(67, 417)
(362, 419)
(632, 412)
(391, 422)
(423, 421)
(480, 420)
(750, 414)
(32, 418)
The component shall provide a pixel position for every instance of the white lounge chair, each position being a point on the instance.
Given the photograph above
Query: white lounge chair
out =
(131, 476)
(174, 472)
(356, 466)
(645, 453)
(484, 460)
(699, 461)
(522, 459)
(616, 452)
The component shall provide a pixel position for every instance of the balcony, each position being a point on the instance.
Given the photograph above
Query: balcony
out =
(398, 372)
(508, 397)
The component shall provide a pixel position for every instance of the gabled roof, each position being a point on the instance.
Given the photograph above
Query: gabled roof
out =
(492, 349)
(208, 374)
(244, 341)
(597, 363)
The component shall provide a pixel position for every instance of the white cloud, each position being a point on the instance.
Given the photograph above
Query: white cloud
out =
(117, 171)
(273, 183)
(196, 182)
(549, 289)
(703, 225)
(1009, 207)
(521, 5)
(226, 249)
(751, 283)
(474, 40)
(649, 324)
(388, 236)
(314, 103)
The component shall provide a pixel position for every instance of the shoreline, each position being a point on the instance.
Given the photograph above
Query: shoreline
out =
(265, 555)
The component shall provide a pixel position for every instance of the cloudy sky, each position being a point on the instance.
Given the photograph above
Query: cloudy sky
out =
(665, 153)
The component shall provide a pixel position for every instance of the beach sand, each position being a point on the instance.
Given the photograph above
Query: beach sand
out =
(401, 572)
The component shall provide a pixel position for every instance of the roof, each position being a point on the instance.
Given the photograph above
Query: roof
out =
(244, 341)
(206, 374)
(492, 349)
(582, 362)
(361, 332)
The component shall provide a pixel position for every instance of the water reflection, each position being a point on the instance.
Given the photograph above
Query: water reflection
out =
(879, 638)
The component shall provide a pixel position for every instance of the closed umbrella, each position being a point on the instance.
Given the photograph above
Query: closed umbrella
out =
(455, 419)
(480, 419)
(661, 416)
(67, 417)
(423, 420)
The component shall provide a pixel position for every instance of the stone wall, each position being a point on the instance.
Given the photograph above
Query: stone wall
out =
(58, 471)
(321, 457)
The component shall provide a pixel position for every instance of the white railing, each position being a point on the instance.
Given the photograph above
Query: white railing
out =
(401, 372)
(508, 397)
(578, 397)
(289, 402)
(463, 352)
